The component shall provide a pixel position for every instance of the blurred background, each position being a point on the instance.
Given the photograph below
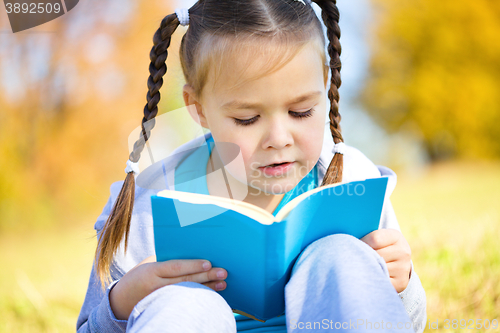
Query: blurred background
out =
(419, 95)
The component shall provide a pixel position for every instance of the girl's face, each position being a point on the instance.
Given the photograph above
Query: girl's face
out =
(277, 118)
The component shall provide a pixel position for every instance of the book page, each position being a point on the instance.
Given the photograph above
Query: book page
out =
(283, 213)
(254, 212)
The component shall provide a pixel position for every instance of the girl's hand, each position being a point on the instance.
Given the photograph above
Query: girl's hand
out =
(150, 275)
(393, 247)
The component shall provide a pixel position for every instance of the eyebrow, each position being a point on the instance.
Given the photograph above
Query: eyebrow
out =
(236, 105)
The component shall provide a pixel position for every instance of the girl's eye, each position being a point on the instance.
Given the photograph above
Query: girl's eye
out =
(245, 122)
(300, 115)
(306, 114)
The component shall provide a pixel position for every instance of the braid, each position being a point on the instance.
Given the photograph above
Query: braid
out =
(157, 69)
(118, 223)
(331, 16)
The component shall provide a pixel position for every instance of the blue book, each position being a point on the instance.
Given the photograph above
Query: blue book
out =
(257, 249)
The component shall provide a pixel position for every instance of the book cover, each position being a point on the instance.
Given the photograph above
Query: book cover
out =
(257, 249)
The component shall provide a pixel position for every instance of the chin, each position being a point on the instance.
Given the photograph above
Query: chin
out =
(274, 187)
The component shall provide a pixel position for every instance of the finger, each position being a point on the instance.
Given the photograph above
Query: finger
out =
(397, 251)
(389, 253)
(398, 269)
(210, 276)
(399, 285)
(176, 268)
(214, 285)
(381, 238)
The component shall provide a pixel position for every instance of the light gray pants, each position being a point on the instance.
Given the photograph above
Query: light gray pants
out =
(338, 283)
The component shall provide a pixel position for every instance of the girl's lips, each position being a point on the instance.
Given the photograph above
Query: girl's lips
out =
(277, 170)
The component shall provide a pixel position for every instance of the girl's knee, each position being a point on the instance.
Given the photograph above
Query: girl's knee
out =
(192, 291)
(336, 244)
(334, 241)
(184, 296)
(335, 248)
(190, 305)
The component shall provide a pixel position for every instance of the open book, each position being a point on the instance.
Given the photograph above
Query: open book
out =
(257, 249)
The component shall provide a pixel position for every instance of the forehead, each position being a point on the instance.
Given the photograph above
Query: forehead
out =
(246, 64)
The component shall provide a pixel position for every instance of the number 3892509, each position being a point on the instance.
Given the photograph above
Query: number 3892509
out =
(32, 8)
(471, 324)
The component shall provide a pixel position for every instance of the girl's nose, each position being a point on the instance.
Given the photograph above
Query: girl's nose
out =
(278, 135)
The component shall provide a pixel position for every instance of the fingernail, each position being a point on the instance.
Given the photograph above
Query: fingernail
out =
(220, 274)
(219, 285)
(206, 265)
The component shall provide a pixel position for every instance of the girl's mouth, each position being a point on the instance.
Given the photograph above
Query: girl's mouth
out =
(277, 169)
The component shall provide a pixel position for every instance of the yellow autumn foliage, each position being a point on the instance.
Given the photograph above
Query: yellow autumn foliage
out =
(435, 67)
(65, 117)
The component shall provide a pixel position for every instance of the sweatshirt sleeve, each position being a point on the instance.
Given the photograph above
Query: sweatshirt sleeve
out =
(96, 314)
(413, 297)
(415, 302)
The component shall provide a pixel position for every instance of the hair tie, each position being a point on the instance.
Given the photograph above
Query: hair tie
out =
(308, 1)
(339, 148)
(132, 167)
(182, 15)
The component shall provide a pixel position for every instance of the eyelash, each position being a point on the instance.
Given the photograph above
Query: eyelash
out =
(300, 115)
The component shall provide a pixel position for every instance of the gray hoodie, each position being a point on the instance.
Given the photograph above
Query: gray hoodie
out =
(96, 315)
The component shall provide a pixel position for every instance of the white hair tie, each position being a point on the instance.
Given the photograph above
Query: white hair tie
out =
(339, 148)
(182, 15)
(308, 1)
(132, 167)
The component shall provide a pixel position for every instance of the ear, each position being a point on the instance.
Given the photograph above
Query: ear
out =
(194, 106)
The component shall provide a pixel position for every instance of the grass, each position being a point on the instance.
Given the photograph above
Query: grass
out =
(43, 279)
(451, 218)
(450, 215)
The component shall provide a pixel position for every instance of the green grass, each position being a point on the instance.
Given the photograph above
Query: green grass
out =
(43, 279)
(451, 218)
(450, 215)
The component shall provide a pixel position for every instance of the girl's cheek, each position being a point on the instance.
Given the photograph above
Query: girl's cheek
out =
(311, 146)
(248, 163)
(240, 167)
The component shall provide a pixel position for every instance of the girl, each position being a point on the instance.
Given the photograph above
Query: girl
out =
(256, 76)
